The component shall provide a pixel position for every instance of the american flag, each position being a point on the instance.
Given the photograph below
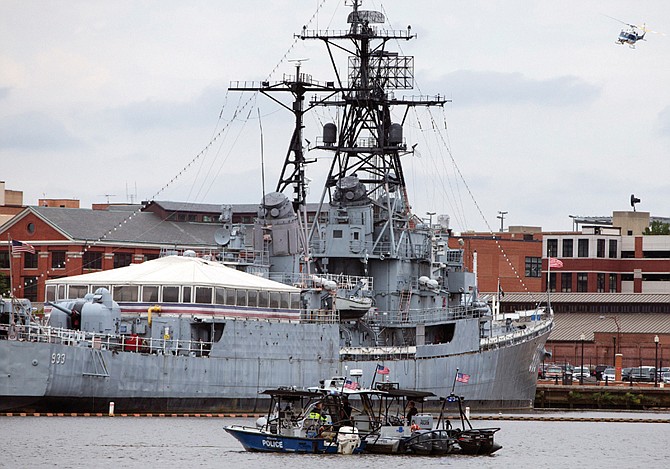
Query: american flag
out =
(350, 384)
(462, 378)
(383, 370)
(18, 246)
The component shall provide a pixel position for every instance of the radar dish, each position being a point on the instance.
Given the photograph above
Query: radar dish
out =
(222, 236)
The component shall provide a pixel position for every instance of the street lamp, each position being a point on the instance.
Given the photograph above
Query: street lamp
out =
(581, 373)
(656, 362)
(617, 344)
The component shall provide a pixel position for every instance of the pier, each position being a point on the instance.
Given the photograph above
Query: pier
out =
(601, 395)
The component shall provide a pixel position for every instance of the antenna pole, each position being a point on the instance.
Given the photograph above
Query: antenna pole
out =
(260, 126)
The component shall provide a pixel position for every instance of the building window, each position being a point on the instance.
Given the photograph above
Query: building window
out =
(552, 281)
(241, 297)
(533, 266)
(613, 249)
(58, 259)
(4, 259)
(30, 288)
(567, 248)
(170, 294)
(600, 248)
(552, 247)
(230, 297)
(76, 291)
(92, 260)
(582, 248)
(150, 293)
(150, 257)
(29, 260)
(566, 282)
(253, 298)
(122, 259)
(337, 233)
(612, 283)
(600, 283)
(125, 293)
(582, 282)
(203, 295)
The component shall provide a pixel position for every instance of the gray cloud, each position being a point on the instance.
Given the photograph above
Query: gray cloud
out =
(34, 131)
(155, 114)
(472, 88)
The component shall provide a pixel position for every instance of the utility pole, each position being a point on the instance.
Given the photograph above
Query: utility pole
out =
(501, 216)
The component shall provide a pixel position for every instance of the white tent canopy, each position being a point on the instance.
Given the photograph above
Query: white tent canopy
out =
(176, 270)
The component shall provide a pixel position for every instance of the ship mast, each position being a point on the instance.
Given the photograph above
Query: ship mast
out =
(293, 171)
(368, 148)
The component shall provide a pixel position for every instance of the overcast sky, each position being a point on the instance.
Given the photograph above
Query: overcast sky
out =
(549, 117)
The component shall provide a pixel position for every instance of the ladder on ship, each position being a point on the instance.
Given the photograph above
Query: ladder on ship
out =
(405, 302)
(96, 365)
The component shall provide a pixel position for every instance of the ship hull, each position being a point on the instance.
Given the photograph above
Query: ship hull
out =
(47, 377)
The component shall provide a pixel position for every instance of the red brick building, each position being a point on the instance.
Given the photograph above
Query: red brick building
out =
(512, 259)
(70, 241)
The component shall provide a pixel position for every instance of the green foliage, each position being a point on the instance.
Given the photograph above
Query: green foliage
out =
(657, 228)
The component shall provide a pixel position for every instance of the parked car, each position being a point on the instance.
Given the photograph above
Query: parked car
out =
(625, 374)
(553, 371)
(643, 373)
(581, 371)
(609, 374)
(598, 372)
(665, 377)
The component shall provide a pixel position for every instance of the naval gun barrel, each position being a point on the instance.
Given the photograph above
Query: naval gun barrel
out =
(60, 308)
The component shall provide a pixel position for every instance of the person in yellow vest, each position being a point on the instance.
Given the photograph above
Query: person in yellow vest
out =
(321, 420)
(318, 414)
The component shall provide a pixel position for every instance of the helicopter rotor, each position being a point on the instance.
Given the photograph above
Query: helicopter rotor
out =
(623, 22)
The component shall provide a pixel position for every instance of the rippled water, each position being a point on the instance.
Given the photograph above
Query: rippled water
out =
(154, 442)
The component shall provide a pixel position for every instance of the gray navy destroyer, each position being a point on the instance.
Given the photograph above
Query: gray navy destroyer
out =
(362, 284)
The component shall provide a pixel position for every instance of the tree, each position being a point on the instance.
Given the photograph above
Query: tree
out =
(657, 228)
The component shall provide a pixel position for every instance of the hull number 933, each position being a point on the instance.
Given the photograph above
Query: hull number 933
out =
(57, 358)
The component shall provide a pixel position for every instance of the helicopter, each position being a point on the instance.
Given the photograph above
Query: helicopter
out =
(632, 33)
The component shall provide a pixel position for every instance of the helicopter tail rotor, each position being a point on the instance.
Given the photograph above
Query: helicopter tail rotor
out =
(645, 29)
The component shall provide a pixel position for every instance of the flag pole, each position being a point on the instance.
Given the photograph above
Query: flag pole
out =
(11, 280)
(549, 283)
(453, 385)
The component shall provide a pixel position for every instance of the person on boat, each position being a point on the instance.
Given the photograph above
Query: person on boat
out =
(318, 414)
(411, 411)
(323, 429)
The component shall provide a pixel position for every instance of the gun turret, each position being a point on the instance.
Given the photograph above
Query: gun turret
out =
(94, 313)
